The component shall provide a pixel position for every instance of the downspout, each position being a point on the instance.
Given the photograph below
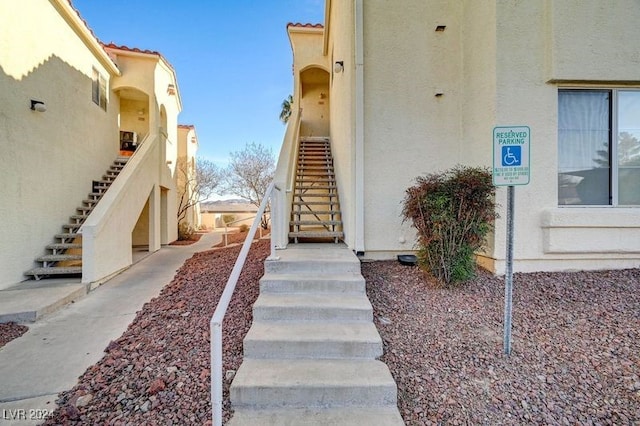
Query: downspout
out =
(359, 127)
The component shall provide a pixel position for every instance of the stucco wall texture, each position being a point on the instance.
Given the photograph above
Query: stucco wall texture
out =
(433, 95)
(49, 158)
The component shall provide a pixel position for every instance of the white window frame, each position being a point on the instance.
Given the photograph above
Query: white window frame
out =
(613, 147)
(99, 89)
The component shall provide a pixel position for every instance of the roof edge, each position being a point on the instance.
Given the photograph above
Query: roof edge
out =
(80, 27)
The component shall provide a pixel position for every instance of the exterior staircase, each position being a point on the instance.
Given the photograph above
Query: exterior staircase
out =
(315, 213)
(65, 256)
(310, 354)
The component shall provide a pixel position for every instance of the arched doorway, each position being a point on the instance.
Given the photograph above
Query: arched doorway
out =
(314, 101)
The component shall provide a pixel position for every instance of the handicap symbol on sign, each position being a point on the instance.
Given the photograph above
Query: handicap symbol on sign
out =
(511, 155)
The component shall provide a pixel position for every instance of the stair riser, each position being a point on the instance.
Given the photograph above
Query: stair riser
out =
(351, 416)
(278, 286)
(286, 349)
(312, 268)
(304, 313)
(305, 396)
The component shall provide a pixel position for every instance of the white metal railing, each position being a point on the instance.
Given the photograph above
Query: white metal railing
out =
(225, 298)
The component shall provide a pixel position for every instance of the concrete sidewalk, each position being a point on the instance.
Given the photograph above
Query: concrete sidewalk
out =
(60, 346)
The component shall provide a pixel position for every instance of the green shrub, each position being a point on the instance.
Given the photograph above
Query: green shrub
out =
(452, 211)
(185, 231)
(228, 218)
(244, 227)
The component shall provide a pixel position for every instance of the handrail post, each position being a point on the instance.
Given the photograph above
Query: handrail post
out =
(216, 373)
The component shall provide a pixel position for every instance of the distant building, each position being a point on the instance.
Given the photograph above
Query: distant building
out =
(214, 214)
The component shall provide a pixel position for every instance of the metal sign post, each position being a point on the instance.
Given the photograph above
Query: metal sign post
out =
(511, 166)
(508, 276)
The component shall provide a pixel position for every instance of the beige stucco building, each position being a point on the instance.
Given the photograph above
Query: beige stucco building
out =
(71, 106)
(413, 87)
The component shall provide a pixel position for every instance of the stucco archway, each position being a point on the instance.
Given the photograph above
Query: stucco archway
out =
(134, 114)
(314, 101)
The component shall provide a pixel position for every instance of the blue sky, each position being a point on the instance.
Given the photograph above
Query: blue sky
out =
(232, 59)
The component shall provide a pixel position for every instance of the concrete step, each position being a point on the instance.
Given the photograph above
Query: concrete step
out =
(315, 261)
(40, 272)
(64, 246)
(68, 236)
(72, 226)
(58, 257)
(352, 416)
(310, 339)
(305, 383)
(312, 307)
(305, 283)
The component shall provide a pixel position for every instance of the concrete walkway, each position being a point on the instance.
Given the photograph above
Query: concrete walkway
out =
(60, 346)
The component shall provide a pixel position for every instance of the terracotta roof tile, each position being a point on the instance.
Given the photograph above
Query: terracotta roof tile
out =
(112, 45)
(307, 25)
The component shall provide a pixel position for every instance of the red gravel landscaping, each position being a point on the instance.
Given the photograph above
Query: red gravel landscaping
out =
(575, 360)
(575, 349)
(158, 371)
(10, 331)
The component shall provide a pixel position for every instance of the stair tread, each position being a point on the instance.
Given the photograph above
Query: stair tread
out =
(69, 235)
(314, 331)
(314, 234)
(313, 301)
(316, 195)
(315, 203)
(303, 283)
(58, 257)
(311, 212)
(344, 416)
(316, 222)
(289, 372)
(60, 246)
(55, 270)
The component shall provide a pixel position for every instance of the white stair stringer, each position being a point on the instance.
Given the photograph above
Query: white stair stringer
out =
(310, 356)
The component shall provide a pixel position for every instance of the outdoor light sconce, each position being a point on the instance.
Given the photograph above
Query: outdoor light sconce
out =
(38, 106)
(338, 67)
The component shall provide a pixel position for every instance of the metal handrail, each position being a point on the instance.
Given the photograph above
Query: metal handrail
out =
(223, 304)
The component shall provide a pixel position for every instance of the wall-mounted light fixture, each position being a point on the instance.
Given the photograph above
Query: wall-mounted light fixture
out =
(338, 67)
(38, 106)
(441, 28)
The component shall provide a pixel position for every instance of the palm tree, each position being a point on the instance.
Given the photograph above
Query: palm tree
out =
(286, 109)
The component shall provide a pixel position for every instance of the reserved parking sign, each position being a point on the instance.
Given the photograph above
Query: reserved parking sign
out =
(511, 161)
